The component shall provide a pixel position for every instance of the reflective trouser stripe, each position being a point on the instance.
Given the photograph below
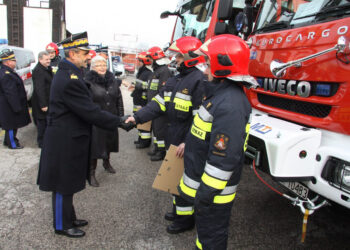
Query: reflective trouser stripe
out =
(145, 135)
(221, 199)
(184, 210)
(174, 201)
(12, 139)
(213, 182)
(198, 244)
(187, 190)
(58, 210)
(161, 144)
(247, 128)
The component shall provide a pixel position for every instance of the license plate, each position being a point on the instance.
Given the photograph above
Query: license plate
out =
(297, 188)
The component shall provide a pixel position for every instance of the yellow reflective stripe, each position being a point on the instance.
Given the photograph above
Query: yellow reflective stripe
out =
(162, 106)
(184, 210)
(145, 135)
(174, 202)
(182, 105)
(167, 98)
(247, 128)
(161, 144)
(144, 97)
(221, 199)
(213, 182)
(198, 132)
(187, 190)
(206, 126)
(198, 244)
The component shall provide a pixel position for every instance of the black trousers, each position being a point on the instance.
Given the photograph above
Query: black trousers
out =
(212, 223)
(63, 211)
(41, 127)
(10, 139)
(159, 128)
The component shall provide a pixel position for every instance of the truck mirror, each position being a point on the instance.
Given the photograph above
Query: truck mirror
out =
(165, 14)
(225, 10)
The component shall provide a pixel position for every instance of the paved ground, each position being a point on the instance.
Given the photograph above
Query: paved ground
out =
(126, 213)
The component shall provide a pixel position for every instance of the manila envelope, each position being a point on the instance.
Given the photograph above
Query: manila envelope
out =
(145, 126)
(170, 172)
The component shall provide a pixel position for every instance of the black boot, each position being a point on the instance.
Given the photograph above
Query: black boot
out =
(153, 150)
(93, 182)
(108, 167)
(143, 144)
(181, 224)
(158, 156)
(170, 216)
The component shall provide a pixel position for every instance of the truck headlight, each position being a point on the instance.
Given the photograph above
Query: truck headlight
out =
(337, 173)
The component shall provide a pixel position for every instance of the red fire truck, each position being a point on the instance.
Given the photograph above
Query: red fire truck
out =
(300, 56)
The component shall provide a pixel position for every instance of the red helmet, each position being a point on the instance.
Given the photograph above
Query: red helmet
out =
(143, 57)
(229, 58)
(92, 53)
(186, 46)
(155, 53)
(52, 47)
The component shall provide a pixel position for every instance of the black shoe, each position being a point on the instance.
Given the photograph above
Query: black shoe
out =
(158, 156)
(142, 145)
(150, 153)
(17, 147)
(80, 223)
(170, 216)
(176, 229)
(71, 232)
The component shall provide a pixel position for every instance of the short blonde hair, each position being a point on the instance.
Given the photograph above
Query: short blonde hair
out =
(97, 59)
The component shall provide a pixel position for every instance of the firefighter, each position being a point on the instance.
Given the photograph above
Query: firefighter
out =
(161, 73)
(217, 140)
(52, 49)
(179, 100)
(13, 100)
(139, 95)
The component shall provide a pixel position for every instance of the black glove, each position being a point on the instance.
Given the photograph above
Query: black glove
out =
(126, 126)
(205, 195)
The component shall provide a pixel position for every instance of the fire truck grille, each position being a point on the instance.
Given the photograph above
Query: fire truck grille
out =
(306, 108)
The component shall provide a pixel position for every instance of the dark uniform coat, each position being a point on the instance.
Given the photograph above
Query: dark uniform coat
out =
(179, 99)
(42, 78)
(65, 156)
(13, 100)
(106, 94)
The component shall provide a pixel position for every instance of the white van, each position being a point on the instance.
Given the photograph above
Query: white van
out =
(25, 58)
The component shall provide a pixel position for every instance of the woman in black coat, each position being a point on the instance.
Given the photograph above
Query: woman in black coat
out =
(106, 93)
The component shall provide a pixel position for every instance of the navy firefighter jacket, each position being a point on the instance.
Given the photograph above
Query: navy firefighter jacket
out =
(216, 142)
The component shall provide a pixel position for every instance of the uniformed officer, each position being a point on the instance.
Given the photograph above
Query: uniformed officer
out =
(64, 161)
(217, 140)
(13, 100)
(179, 99)
(139, 95)
(161, 74)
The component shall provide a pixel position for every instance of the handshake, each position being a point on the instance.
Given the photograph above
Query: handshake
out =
(127, 122)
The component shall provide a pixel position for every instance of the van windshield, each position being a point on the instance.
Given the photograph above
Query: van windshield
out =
(23, 58)
(284, 14)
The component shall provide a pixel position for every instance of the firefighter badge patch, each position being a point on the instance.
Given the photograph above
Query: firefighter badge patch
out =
(185, 91)
(221, 141)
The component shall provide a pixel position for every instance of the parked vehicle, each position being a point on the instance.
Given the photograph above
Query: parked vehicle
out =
(129, 68)
(25, 58)
(118, 66)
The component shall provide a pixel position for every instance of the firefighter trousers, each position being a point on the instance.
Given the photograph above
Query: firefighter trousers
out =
(159, 128)
(184, 212)
(212, 223)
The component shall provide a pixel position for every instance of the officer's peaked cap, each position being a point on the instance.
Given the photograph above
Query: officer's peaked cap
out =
(79, 40)
(7, 54)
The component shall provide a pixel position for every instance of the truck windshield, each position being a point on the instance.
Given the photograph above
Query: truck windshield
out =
(283, 14)
(195, 18)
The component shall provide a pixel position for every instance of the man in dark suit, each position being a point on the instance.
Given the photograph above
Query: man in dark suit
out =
(42, 78)
(13, 100)
(65, 156)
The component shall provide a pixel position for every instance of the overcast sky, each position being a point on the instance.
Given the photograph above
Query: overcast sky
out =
(117, 22)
